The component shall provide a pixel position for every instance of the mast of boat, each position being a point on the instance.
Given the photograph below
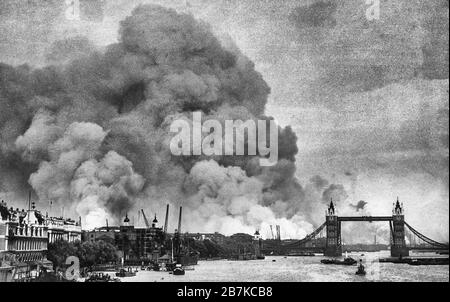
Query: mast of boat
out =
(171, 240)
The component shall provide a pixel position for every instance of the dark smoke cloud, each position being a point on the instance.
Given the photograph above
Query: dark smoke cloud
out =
(359, 205)
(335, 192)
(91, 131)
(319, 182)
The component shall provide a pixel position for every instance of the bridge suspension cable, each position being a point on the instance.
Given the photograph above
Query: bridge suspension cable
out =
(308, 237)
(425, 238)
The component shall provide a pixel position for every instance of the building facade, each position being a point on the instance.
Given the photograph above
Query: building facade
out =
(24, 236)
(134, 244)
(59, 228)
(24, 239)
(23, 244)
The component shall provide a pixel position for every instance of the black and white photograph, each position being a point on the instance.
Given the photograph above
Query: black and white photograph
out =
(224, 142)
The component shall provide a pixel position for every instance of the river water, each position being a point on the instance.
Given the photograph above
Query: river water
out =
(300, 269)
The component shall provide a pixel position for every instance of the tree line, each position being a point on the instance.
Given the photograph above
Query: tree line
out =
(89, 253)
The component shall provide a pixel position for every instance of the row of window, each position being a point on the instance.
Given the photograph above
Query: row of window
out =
(29, 231)
(52, 237)
(27, 245)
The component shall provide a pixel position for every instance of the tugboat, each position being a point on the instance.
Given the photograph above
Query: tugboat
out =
(100, 277)
(361, 271)
(346, 261)
(178, 270)
(126, 273)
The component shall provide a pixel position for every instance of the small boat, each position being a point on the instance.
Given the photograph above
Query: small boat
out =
(361, 271)
(178, 270)
(156, 267)
(100, 277)
(346, 261)
(126, 273)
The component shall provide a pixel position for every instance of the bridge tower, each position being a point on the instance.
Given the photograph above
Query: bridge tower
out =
(398, 243)
(333, 246)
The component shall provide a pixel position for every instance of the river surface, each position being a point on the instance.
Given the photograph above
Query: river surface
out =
(301, 269)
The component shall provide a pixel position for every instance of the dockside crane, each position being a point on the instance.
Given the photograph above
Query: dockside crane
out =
(179, 220)
(177, 235)
(271, 231)
(166, 222)
(278, 232)
(147, 224)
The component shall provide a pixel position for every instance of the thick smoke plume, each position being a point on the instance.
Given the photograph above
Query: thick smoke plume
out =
(91, 132)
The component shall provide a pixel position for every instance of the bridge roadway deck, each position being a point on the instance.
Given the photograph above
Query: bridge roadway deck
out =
(365, 218)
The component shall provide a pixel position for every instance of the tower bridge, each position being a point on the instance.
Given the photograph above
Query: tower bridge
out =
(327, 238)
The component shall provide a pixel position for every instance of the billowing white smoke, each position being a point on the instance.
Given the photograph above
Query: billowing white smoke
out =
(94, 187)
(106, 184)
(39, 136)
(229, 201)
(79, 143)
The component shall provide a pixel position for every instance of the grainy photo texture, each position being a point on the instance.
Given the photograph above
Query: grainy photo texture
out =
(224, 141)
